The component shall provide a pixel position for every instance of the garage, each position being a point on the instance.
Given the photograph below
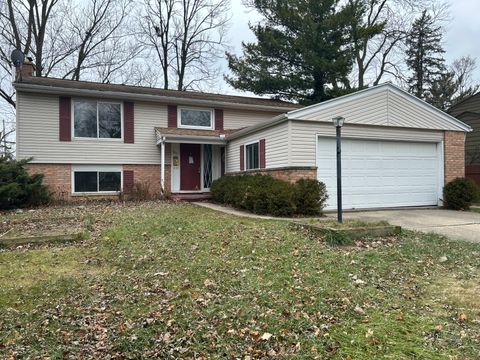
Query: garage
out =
(397, 150)
(379, 174)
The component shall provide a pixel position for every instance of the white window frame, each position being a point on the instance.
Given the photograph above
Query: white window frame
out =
(179, 118)
(97, 169)
(245, 154)
(72, 110)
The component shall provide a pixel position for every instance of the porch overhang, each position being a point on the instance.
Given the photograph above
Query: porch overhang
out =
(190, 136)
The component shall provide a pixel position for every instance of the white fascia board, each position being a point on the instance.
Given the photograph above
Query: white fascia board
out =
(55, 90)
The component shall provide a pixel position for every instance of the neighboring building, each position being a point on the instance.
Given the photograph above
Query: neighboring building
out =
(468, 111)
(97, 139)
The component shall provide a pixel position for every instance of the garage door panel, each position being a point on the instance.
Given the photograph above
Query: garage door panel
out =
(380, 173)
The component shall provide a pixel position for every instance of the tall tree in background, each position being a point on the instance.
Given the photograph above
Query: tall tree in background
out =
(454, 85)
(302, 51)
(424, 55)
(187, 37)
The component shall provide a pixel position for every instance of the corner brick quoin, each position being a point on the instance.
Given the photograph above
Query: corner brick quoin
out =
(291, 174)
(58, 178)
(454, 155)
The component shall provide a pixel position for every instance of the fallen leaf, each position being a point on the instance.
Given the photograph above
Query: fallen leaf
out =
(266, 336)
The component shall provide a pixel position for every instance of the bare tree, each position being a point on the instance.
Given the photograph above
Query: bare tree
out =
(380, 31)
(464, 69)
(187, 37)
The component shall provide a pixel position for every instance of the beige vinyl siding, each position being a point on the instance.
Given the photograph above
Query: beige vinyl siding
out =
(237, 119)
(38, 135)
(371, 109)
(276, 147)
(304, 137)
(38, 127)
(381, 106)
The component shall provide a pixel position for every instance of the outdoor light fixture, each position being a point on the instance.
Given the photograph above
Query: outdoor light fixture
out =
(338, 122)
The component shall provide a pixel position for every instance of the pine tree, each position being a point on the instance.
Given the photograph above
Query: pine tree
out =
(303, 51)
(424, 55)
(443, 90)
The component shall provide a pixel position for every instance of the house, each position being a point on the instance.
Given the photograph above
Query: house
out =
(92, 139)
(468, 111)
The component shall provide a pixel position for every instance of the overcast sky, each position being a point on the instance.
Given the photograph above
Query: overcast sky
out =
(462, 35)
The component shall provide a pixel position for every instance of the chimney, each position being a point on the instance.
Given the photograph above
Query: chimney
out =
(25, 72)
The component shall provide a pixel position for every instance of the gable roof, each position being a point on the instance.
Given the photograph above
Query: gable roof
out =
(381, 105)
(127, 92)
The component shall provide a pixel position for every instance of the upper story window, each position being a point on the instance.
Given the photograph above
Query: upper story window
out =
(94, 119)
(195, 118)
(252, 156)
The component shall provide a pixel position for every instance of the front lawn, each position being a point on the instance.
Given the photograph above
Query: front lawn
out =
(180, 281)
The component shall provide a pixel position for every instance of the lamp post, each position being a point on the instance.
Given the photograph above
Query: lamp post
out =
(338, 122)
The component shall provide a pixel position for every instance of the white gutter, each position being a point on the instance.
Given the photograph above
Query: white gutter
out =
(56, 90)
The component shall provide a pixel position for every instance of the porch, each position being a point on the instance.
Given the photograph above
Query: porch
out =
(196, 158)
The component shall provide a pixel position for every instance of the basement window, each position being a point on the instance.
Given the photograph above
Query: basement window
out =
(101, 180)
(98, 120)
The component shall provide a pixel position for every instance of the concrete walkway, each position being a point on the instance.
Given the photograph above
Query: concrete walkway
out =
(456, 225)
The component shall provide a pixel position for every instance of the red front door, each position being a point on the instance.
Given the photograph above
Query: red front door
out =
(190, 166)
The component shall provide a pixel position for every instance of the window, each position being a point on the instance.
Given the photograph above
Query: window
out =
(94, 119)
(251, 152)
(87, 180)
(192, 118)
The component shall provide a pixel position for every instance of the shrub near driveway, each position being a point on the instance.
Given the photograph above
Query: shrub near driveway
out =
(263, 194)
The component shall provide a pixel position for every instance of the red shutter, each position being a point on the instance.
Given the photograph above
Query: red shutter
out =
(219, 119)
(65, 118)
(242, 157)
(172, 116)
(128, 122)
(128, 181)
(261, 151)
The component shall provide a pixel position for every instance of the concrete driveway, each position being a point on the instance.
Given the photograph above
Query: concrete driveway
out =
(457, 225)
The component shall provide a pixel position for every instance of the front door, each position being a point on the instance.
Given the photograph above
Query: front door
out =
(190, 167)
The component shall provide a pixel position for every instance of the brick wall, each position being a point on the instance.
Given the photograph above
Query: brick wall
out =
(58, 178)
(151, 175)
(291, 174)
(454, 155)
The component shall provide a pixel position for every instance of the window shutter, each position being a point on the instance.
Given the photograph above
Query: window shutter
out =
(172, 116)
(219, 119)
(128, 122)
(128, 181)
(65, 118)
(242, 157)
(261, 150)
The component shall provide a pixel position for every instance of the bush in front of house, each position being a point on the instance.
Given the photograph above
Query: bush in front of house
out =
(459, 194)
(18, 188)
(263, 194)
(310, 196)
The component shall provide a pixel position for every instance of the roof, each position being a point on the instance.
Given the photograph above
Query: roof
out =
(192, 135)
(462, 102)
(86, 88)
(387, 95)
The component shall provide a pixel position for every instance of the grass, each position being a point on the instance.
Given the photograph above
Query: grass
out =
(475, 209)
(179, 281)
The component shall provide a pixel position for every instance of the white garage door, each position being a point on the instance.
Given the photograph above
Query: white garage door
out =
(380, 174)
